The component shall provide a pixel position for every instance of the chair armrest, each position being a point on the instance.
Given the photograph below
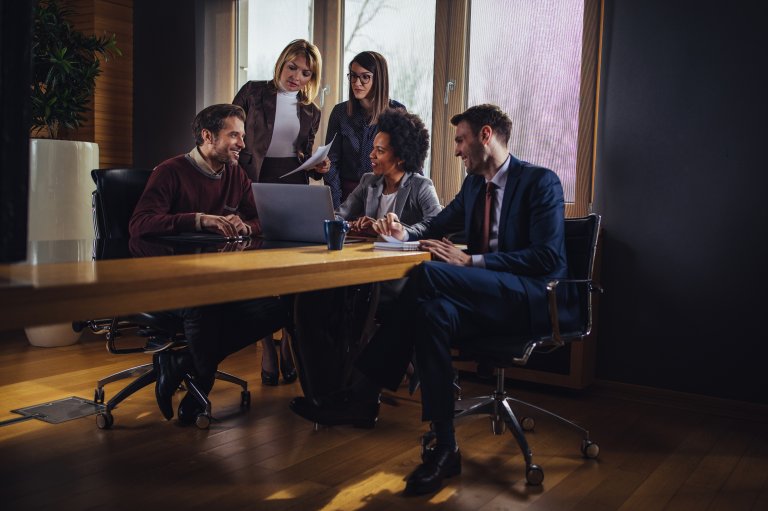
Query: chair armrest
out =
(554, 315)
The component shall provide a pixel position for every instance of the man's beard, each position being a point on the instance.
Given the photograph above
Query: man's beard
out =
(225, 157)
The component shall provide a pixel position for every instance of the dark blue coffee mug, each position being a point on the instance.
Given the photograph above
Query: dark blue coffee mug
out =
(335, 232)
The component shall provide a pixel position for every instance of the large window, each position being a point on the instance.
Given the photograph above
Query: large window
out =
(266, 27)
(537, 59)
(526, 57)
(404, 32)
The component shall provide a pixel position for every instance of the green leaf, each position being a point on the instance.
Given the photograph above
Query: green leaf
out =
(65, 68)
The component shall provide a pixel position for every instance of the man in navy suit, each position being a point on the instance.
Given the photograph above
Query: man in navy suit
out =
(513, 215)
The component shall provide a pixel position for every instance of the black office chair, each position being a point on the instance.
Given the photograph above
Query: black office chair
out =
(500, 352)
(116, 195)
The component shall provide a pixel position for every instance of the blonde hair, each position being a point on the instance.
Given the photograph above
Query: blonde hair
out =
(301, 48)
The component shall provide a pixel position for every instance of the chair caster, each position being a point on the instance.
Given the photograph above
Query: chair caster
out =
(528, 423)
(245, 400)
(590, 449)
(203, 421)
(98, 396)
(534, 475)
(498, 426)
(104, 420)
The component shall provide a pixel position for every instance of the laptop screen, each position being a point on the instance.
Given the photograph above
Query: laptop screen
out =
(291, 212)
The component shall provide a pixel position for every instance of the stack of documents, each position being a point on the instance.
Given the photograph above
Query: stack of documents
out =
(396, 245)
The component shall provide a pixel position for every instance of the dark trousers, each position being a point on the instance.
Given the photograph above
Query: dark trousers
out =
(440, 304)
(273, 168)
(216, 331)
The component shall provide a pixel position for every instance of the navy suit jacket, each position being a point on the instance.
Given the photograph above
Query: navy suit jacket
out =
(531, 231)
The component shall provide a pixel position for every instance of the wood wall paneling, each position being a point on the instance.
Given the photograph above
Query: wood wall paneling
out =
(110, 124)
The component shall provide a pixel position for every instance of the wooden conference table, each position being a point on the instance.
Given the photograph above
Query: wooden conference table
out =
(43, 293)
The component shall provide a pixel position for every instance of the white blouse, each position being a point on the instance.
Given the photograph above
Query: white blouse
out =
(286, 128)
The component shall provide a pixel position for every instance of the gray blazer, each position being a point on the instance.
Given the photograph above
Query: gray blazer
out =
(416, 200)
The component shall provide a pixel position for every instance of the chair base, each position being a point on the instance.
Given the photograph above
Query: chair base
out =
(145, 375)
(498, 406)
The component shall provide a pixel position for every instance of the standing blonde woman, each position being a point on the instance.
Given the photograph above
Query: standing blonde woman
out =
(281, 121)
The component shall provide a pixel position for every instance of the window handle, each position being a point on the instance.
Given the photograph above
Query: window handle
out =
(325, 90)
(449, 86)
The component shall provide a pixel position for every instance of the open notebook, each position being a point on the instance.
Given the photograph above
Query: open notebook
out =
(396, 245)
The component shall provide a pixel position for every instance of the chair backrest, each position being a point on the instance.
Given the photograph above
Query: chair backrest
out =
(581, 235)
(117, 193)
(574, 304)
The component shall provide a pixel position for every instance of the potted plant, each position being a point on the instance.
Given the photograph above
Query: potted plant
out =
(65, 64)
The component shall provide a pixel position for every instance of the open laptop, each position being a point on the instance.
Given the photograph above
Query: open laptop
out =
(293, 212)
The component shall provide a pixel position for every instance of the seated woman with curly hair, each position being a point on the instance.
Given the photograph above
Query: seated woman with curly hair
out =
(396, 184)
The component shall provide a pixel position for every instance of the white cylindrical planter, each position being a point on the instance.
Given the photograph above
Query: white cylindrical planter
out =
(60, 187)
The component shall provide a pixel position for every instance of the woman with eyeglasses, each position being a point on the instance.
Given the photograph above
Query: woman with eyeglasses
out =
(354, 123)
(281, 121)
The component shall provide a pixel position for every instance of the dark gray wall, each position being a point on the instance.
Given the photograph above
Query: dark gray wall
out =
(164, 80)
(681, 182)
(15, 77)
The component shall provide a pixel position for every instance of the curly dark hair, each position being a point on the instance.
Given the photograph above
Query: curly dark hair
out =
(407, 136)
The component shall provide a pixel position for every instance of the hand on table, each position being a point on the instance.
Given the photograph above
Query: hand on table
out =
(445, 251)
(361, 225)
(390, 226)
(230, 225)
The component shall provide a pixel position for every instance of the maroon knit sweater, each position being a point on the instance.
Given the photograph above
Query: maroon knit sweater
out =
(177, 189)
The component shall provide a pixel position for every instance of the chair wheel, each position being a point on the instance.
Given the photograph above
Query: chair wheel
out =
(245, 400)
(104, 420)
(98, 395)
(590, 449)
(528, 423)
(534, 475)
(498, 426)
(203, 421)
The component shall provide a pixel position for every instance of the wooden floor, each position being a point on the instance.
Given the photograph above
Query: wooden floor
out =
(652, 457)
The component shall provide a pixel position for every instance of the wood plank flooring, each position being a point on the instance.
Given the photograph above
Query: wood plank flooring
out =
(652, 457)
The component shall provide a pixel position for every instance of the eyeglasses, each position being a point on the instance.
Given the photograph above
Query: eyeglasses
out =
(364, 78)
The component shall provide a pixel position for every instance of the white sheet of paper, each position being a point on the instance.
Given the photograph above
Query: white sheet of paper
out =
(312, 161)
(390, 239)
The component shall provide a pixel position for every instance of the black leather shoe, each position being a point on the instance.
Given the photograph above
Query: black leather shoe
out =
(190, 407)
(287, 366)
(171, 368)
(439, 463)
(289, 374)
(166, 384)
(271, 379)
(338, 410)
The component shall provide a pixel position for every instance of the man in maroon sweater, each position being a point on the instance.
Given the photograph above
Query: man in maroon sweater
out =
(206, 190)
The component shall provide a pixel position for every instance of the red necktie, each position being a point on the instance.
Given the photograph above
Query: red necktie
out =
(486, 243)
